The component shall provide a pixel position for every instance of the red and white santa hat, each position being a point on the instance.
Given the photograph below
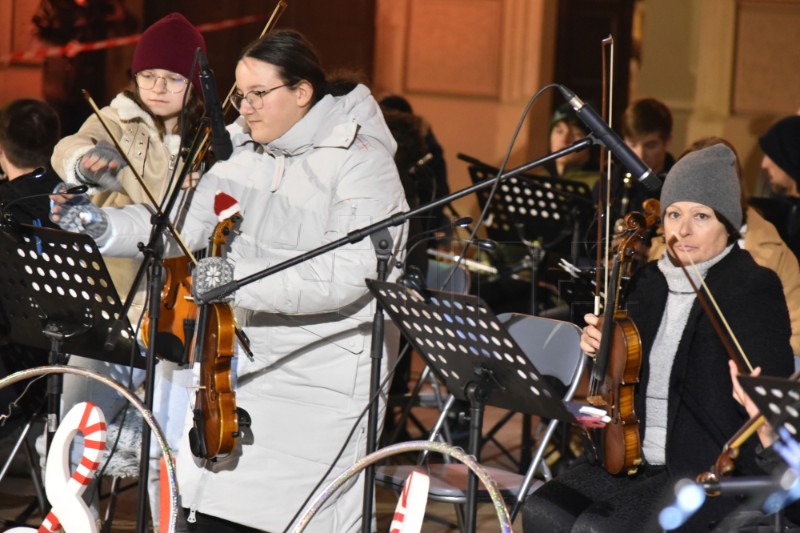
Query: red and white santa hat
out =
(225, 206)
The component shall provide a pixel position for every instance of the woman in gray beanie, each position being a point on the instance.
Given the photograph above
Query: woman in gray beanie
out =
(685, 400)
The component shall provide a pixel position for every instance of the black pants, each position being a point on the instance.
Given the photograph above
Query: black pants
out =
(587, 499)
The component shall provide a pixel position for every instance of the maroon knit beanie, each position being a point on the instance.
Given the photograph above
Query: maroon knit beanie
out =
(169, 44)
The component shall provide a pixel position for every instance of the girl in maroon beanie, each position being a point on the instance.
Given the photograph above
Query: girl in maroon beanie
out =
(146, 119)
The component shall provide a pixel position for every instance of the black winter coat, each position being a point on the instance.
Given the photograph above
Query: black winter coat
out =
(702, 414)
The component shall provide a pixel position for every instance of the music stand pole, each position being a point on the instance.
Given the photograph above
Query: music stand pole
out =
(153, 253)
(57, 332)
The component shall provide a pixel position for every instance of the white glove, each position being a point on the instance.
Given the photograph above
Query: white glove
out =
(80, 215)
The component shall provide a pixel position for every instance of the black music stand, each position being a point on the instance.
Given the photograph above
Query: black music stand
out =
(474, 356)
(543, 214)
(57, 294)
(778, 400)
(539, 208)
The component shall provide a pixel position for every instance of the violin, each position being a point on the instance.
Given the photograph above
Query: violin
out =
(177, 318)
(726, 462)
(178, 312)
(216, 418)
(618, 364)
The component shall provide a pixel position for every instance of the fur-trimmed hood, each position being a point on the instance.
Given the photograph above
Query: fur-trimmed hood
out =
(129, 111)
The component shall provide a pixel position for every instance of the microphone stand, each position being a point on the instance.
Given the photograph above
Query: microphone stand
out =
(358, 235)
(391, 221)
(153, 253)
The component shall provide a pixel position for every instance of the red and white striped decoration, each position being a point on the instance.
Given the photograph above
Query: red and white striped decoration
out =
(410, 510)
(69, 512)
(74, 48)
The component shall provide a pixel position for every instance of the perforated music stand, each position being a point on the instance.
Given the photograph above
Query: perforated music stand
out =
(544, 209)
(777, 399)
(545, 215)
(473, 355)
(57, 294)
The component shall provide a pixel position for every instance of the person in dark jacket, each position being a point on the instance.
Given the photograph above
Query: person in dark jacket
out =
(781, 167)
(29, 130)
(684, 401)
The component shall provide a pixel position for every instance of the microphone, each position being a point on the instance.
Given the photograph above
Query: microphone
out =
(611, 140)
(5, 214)
(220, 137)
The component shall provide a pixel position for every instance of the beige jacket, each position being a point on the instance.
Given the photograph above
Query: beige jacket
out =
(151, 156)
(761, 239)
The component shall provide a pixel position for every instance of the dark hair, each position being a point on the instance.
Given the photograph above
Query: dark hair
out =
(343, 81)
(29, 131)
(733, 233)
(397, 103)
(644, 116)
(293, 56)
(193, 113)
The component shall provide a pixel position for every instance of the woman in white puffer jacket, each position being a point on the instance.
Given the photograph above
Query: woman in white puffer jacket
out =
(307, 168)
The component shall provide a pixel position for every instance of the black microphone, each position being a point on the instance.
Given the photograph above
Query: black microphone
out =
(220, 137)
(5, 214)
(611, 140)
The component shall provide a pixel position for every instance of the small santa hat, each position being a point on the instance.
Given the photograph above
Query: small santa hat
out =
(225, 206)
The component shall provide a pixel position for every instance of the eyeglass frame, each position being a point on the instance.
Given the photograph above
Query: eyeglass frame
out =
(167, 80)
(261, 93)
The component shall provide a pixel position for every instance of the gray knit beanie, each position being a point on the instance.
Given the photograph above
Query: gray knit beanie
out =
(708, 177)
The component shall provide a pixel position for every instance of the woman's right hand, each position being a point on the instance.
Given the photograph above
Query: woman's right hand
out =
(76, 213)
(590, 336)
(99, 167)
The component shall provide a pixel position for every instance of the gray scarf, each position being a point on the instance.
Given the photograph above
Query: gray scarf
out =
(679, 302)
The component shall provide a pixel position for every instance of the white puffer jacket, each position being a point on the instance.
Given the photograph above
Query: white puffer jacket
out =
(309, 325)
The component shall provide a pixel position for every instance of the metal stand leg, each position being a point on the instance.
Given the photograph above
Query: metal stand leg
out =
(31, 458)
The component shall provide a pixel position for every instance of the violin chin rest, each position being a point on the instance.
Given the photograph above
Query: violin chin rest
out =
(244, 417)
(197, 443)
(169, 347)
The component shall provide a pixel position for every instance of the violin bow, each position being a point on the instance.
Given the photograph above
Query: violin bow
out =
(604, 196)
(139, 179)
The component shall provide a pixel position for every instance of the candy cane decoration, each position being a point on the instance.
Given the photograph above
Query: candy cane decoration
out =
(410, 510)
(147, 416)
(64, 491)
